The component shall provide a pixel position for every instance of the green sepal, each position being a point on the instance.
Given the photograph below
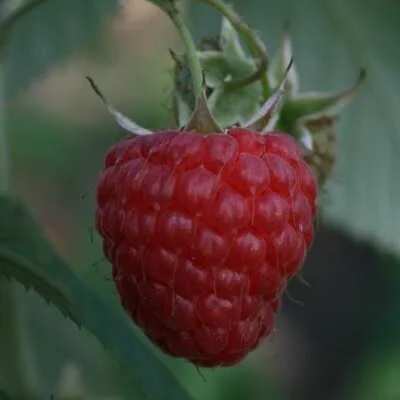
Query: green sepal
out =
(319, 137)
(311, 105)
(202, 120)
(266, 117)
(278, 68)
(230, 42)
(122, 120)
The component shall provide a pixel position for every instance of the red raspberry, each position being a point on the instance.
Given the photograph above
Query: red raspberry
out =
(203, 231)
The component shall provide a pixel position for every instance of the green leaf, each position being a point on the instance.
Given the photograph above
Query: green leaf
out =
(332, 40)
(232, 106)
(47, 34)
(219, 67)
(279, 64)
(27, 257)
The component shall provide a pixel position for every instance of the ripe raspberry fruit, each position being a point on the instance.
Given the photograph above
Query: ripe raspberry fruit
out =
(203, 231)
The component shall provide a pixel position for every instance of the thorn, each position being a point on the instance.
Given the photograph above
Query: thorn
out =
(200, 372)
(175, 57)
(293, 300)
(98, 262)
(301, 278)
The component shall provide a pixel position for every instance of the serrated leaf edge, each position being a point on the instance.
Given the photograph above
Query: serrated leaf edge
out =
(77, 302)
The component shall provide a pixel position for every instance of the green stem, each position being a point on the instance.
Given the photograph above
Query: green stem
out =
(190, 48)
(254, 43)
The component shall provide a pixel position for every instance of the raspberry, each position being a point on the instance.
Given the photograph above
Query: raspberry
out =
(203, 232)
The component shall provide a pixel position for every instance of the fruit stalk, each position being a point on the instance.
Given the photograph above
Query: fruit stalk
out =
(190, 48)
(254, 43)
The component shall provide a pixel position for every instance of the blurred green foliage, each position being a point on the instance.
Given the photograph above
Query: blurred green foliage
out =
(48, 34)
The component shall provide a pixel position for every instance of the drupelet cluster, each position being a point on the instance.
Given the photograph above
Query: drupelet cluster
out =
(203, 232)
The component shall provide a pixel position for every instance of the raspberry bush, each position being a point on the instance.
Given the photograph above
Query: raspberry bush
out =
(204, 222)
